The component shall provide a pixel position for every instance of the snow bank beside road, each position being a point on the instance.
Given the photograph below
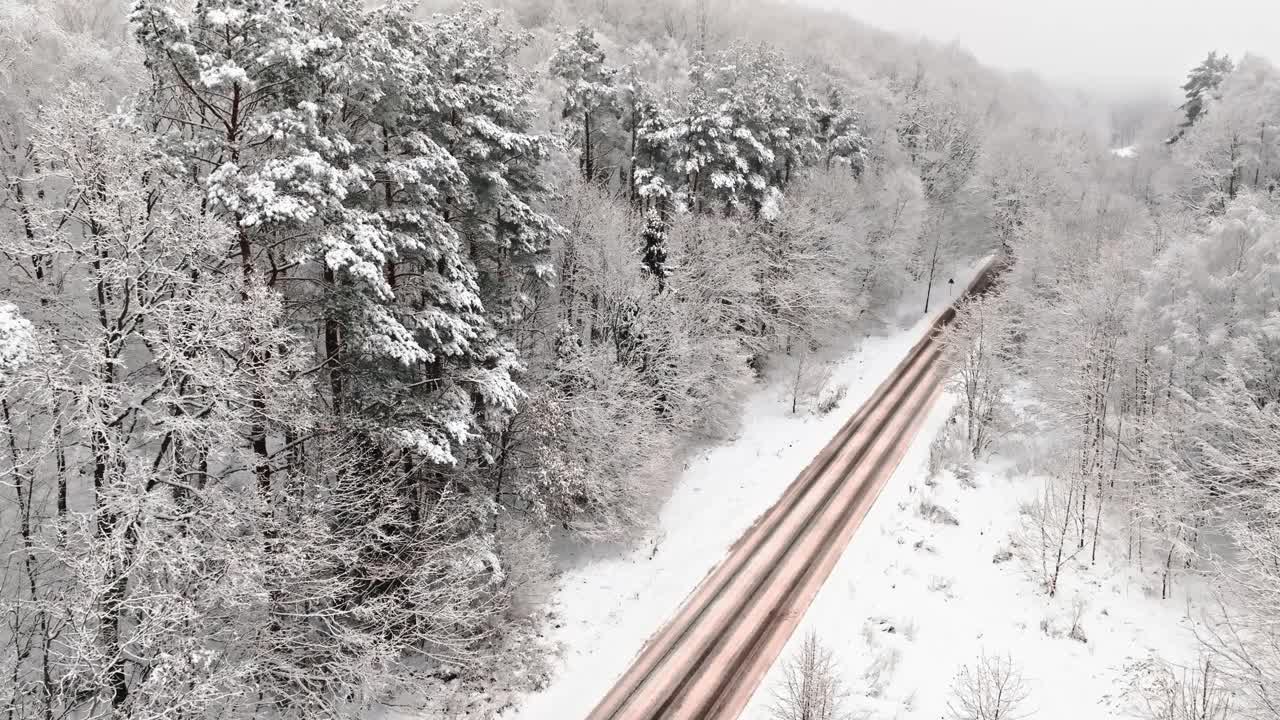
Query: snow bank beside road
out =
(605, 608)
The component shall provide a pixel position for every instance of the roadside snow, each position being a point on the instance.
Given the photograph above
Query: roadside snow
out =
(605, 608)
(909, 603)
(609, 607)
(606, 605)
(912, 601)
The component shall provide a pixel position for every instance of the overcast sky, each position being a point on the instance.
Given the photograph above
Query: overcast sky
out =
(1107, 44)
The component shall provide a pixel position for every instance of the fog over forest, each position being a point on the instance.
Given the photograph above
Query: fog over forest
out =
(1110, 46)
(426, 360)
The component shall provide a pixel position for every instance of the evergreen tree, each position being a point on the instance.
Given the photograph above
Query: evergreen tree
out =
(589, 91)
(381, 181)
(485, 123)
(641, 114)
(335, 141)
(839, 133)
(654, 259)
(748, 126)
(1202, 81)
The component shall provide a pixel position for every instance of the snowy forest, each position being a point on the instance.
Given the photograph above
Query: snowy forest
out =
(326, 326)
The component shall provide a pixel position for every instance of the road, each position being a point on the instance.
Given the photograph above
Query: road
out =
(709, 659)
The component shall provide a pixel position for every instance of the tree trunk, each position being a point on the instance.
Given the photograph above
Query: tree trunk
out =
(1062, 541)
(1262, 157)
(1166, 579)
(108, 521)
(1097, 523)
(631, 163)
(333, 347)
(257, 428)
(588, 164)
(933, 266)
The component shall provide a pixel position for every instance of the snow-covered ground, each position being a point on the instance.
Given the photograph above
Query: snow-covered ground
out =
(1127, 151)
(606, 607)
(913, 600)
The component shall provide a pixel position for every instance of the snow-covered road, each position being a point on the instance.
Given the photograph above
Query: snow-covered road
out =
(909, 603)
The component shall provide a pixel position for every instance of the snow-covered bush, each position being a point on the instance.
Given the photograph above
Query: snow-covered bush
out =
(594, 451)
(935, 513)
(17, 341)
(831, 398)
(1197, 693)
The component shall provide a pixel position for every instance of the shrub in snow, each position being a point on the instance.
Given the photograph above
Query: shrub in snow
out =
(1050, 628)
(1078, 606)
(990, 689)
(831, 399)
(935, 513)
(922, 544)
(949, 449)
(964, 474)
(880, 670)
(1197, 693)
(940, 584)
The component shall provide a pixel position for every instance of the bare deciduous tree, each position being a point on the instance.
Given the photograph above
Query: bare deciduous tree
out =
(1197, 693)
(990, 689)
(1045, 529)
(979, 354)
(811, 686)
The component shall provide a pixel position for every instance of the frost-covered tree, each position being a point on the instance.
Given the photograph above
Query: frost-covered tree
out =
(1202, 82)
(654, 252)
(1234, 146)
(747, 127)
(592, 448)
(136, 400)
(940, 135)
(375, 154)
(839, 133)
(812, 688)
(589, 92)
(981, 359)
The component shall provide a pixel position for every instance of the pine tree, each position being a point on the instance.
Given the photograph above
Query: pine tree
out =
(745, 131)
(641, 114)
(334, 140)
(382, 181)
(1202, 82)
(654, 257)
(589, 92)
(487, 125)
(840, 135)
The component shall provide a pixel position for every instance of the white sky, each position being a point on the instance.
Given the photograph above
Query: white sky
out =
(1105, 44)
